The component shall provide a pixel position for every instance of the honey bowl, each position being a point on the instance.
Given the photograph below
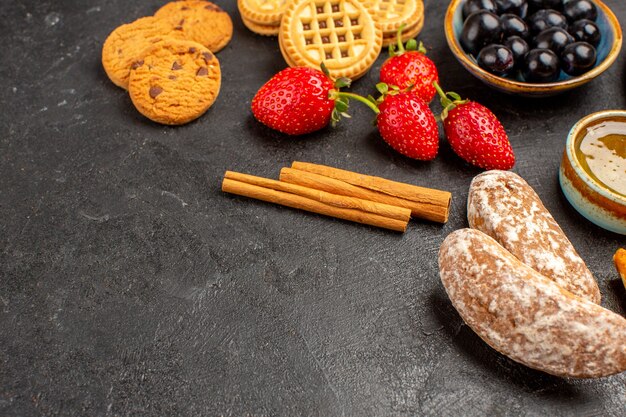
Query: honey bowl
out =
(593, 169)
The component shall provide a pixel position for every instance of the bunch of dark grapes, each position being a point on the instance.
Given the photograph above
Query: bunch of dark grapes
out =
(538, 38)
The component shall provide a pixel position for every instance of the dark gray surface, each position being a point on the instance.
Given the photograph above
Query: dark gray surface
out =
(130, 285)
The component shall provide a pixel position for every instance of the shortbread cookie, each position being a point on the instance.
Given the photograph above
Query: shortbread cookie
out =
(262, 12)
(525, 316)
(127, 42)
(175, 82)
(502, 205)
(200, 21)
(392, 14)
(409, 33)
(340, 33)
(264, 30)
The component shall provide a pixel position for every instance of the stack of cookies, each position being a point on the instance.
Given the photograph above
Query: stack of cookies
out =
(346, 35)
(341, 33)
(393, 15)
(166, 61)
(262, 16)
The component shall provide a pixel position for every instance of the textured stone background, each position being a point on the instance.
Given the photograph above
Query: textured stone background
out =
(130, 285)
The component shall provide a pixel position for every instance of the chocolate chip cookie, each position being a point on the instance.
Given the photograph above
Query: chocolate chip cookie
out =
(127, 42)
(174, 81)
(200, 21)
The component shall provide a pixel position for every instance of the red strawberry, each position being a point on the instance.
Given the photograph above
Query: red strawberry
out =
(408, 125)
(410, 67)
(475, 133)
(300, 100)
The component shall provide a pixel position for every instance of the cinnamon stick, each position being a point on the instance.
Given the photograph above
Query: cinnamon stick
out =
(246, 189)
(426, 203)
(340, 201)
(430, 208)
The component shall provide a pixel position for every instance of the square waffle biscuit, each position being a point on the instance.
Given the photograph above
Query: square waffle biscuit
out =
(341, 33)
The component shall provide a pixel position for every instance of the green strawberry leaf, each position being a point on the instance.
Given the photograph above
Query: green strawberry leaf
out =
(340, 106)
(325, 69)
(343, 99)
(392, 50)
(411, 45)
(343, 82)
(382, 88)
(421, 48)
(449, 100)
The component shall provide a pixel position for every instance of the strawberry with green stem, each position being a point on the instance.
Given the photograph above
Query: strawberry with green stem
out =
(475, 133)
(404, 121)
(301, 100)
(409, 67)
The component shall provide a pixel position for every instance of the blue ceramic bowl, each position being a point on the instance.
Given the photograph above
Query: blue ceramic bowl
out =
(598, 203)
(608, 50)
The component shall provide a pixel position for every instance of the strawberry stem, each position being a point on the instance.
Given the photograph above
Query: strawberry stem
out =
(357, 97)
(449, 100)
(399, 39)
(445, 101)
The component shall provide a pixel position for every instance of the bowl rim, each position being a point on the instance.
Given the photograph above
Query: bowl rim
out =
(509, 84)
(570, 149)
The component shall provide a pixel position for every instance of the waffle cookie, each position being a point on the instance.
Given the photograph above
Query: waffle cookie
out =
(340, 33)
(199, 21)
(282, 51)
(175, 81)
(262, 16)
(127, 42)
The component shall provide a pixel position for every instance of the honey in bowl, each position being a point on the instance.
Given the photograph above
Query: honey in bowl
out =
(601, 152)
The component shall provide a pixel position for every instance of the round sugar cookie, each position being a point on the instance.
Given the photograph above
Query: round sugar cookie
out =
(122, 47)
(340, 33)
(175, 81)
(200, 21)
(262, 12)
